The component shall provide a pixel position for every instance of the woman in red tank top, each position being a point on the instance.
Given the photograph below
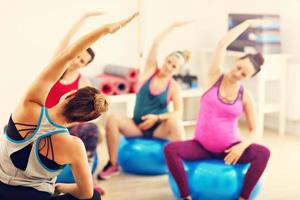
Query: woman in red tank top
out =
(71, 79)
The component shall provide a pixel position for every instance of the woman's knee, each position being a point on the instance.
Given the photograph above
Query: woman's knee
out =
(176, 129)
(170, 149)
(265, 152)
(262, 152)
(112, 120)
(174, 121)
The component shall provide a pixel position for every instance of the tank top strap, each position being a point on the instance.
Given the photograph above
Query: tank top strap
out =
(46, 126)
(153, 75)
(219, 81)
(169, 87)
(55, 126)
(146, 81)
(241, 92)
(76, 82)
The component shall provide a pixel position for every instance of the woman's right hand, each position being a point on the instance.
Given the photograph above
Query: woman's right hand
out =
(112, 28)
(258, 22)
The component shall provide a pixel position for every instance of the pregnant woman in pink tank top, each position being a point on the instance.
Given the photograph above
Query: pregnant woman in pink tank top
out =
(217, 133)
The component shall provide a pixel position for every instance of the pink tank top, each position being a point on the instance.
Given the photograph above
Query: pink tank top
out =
(59, 90)
(217, 121)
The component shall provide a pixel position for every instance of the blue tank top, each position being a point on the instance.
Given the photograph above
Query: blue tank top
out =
(148, 103)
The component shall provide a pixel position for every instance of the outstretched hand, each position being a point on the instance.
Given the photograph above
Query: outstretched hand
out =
(112, 28)
(182, 23)
(259, 22)
(93, 14)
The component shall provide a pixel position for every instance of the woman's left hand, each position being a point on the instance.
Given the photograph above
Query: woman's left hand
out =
(148, 121)
(234, 153)
(112, 28)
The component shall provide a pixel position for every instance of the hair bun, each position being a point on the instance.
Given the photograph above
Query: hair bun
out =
(187, 55)
(259, 59)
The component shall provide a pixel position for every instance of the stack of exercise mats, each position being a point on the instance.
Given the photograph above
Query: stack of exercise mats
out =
(116, 80)
(264, 39)
(186, 80)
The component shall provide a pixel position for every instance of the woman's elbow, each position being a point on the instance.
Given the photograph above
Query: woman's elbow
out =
(87, 193)
(178, 113)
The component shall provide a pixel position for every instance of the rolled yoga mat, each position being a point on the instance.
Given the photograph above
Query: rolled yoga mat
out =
(133, 87)
(120, 85)
(129, 73)
(104, 86)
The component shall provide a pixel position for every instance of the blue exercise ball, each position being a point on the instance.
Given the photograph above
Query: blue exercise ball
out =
(142, 156)
(214, 180)
(66, 176)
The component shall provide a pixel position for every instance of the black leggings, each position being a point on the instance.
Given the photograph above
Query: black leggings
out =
(8, 192)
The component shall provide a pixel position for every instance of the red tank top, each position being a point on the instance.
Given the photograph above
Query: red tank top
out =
(59, 90)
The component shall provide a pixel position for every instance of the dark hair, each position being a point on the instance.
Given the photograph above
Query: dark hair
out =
(92, 54)
(5, 127)
(86, 105)
(257, 61)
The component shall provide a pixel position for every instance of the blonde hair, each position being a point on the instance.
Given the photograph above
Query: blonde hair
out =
(185, 55)
(101, 103)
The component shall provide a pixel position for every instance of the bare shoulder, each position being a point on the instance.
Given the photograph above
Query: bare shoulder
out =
(67, 149)
(24, 107)
(68, 146)
(175, 86)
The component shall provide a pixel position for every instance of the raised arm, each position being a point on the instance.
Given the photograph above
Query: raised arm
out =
(73, 30)
(151, 61)
(215, 69)
(39, 90)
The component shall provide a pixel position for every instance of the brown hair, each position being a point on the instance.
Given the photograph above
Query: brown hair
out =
(92, 54)
(257, 61)
(86, 105)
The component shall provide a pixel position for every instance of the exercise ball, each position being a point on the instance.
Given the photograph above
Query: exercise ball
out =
(142, 156)
(66, 176)
(214, 180)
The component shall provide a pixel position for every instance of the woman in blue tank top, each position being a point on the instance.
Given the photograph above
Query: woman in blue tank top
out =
(37, 144)
(151, 116)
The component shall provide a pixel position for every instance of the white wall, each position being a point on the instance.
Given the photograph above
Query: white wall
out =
(211, 23)
(31, 29)
(211, 20)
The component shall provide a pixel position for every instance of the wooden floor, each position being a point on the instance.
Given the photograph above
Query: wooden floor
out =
(281, 179)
